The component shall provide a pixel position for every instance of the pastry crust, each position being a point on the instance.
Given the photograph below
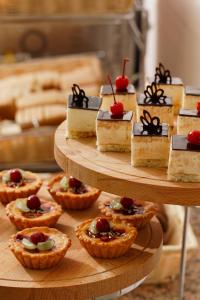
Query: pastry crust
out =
(112, 249)
(8, 194)
(43, 259)
(70, 200)
(137, 220)
(48, 219)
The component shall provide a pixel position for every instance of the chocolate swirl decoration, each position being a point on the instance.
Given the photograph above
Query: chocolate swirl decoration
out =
(150, 125)
(79, 98)
(154, 95)
(162, 75)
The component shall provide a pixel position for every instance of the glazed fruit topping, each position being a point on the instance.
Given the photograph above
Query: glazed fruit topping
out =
(117, 108)
(102, 225)
(126, 202)
(198, 107)
(16, 176)
(122, 81)
(33, 202)
(38, 237)
(194, 137)
(74, 183)
(125, 206)
(19, 237)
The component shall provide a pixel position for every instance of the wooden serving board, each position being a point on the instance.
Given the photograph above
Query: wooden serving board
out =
(112, 172)
(78, 276)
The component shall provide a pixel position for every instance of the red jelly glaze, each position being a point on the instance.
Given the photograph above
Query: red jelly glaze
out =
(33, 202)
(102, 225)
(74, 183)
(198, 107)
(38, 237)
(126, 202)
(194, 137)
(15, 176)
(19, 237)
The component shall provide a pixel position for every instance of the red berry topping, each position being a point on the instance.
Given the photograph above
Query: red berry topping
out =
(33, 202)
(198, 107)
(117, 109)
(194, 137)
(122, 81)
(102, 225)
(74, 183)
(15, 175)
(126, 202)
(19, 237)
(38, 237)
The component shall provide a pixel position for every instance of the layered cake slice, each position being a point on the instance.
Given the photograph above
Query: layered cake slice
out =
(81, 114)
(113, 128)
(172, 86)
(125, 92)
(156, 103)
(188, 119)
(150, 142)
(184, 158)
(192, 96)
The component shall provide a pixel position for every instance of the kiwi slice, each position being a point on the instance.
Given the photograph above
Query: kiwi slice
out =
(116, 205)
(28, 244)
(21, 205)
(93, 228)
(47, 245)
(64, 183)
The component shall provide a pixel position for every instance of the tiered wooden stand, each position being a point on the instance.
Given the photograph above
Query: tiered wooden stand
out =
(113, 173)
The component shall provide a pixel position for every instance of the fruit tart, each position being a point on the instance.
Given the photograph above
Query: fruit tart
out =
(39, 247)
(135, 212)
(106, 238)
(71, 193)
(33, 212)
(17, 183)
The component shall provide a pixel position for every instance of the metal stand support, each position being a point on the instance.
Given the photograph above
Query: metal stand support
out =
(183, 255)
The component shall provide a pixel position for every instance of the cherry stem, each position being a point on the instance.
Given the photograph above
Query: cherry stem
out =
(125, 60)
(110, 81)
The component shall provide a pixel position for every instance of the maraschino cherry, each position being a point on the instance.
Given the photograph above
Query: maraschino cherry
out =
(194, 137)
(15, 175)
(38, 237)
(74, 183)
(117, 108)
(33, 202)
(122, 81)
(198, 107)
(102, 225)
(126, 202)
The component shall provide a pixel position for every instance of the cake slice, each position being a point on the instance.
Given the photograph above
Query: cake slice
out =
(188, 119)
(81, 114)
(192, 96)
(184, 158)
(172, 86)
(150, 142)
(156, 103)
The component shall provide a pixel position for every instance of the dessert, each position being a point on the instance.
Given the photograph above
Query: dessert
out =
(125, 93)
(135, 212)
(156, 103)
(105, 238)
(33, 212)
(192, 96)
(113, 128)
(150, 142)
(172, 86)
(39, 247)
(184, 157)
(17, 183)
(188, 119)
(71, 193)
(81, 114)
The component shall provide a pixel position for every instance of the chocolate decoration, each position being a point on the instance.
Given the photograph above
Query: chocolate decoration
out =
(79, 98)
(141, 101)
(150, 125)
(189, 113)
(154, 95)
(192, 90)
(162, 75)
(175, 81)
(94, 103)
(138, 130)
(180, 142)
(106, 90)
(106, 116)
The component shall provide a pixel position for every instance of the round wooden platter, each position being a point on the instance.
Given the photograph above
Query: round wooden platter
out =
(78, 276)
(112, 172)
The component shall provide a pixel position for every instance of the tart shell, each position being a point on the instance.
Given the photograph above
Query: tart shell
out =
(113, 249)
(48, 219)
(136, 220)
(8, 194)
(70, 200)
(44, 259)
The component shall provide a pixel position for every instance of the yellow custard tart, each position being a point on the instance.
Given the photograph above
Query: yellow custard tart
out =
(39, 247)
(33, 212)
(16, 183)
(103, 237)
(71, 193)
(135, 212)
